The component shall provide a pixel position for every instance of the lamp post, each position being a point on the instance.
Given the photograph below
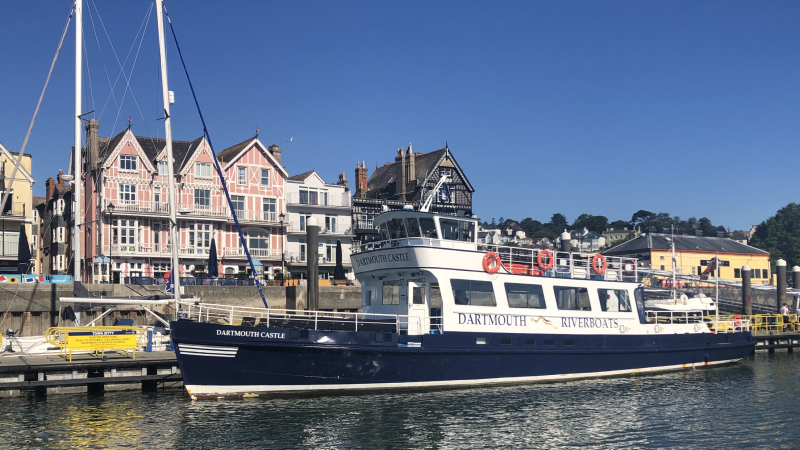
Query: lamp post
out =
(110, 208)
(281, 217)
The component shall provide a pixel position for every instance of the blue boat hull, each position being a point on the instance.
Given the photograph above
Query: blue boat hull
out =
(231, 361)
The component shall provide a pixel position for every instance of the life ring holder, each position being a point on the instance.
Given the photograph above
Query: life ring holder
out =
(489, 259)
(602, 269)
(545, 267)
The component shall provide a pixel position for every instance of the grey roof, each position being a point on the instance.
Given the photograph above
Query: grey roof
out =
(302, 176)
(423, 163)
(650, 241)
(229, 153)
(181, 150)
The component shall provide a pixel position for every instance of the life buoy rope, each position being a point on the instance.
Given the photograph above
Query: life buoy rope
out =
(549, 264)
(491, 262)
(602, 268)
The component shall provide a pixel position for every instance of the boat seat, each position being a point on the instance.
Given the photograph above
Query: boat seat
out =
(248, 321)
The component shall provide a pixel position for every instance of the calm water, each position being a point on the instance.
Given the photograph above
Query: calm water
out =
(753, 404)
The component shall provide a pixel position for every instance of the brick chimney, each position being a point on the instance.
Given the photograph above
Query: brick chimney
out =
(410, 166)
(361, 179)
(92, 150)
(50, 187)
(276, 152)
(400, 175)
(60, 177)
(343, 182)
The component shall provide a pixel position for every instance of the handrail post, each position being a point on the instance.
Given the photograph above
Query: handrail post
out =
(356, 321)
(230, 321)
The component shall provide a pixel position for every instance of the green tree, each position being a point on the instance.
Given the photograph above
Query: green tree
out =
(780, 235)
(620, 225)
(640, 217)
(530, 226)
(598, 224)
(559, 221)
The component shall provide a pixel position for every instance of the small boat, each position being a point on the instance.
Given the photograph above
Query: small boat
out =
(440, 310)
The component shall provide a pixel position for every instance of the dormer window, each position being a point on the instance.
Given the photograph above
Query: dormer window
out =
(162, 167)
(202, 170)
(127, 162)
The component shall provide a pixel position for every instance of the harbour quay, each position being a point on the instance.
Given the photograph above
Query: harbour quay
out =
(49, 374)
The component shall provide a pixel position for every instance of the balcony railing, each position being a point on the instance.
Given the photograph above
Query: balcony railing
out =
(294, 227)
(256, 216)
(297, 257)
(254, 252)
(118, 249)
(335, 201)
(138, 206)
(203, 210)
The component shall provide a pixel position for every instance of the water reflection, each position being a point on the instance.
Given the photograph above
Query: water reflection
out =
(753, 403)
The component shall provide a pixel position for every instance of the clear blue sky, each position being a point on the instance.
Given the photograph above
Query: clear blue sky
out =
(685, 107)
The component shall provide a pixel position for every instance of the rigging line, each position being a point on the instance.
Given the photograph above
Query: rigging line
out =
(144, 23)
(105, 67)
(39, 104)
(88, 72)
(216, 162)
(128, 84)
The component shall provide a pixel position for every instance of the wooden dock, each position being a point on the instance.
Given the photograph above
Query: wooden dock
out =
(773, 340)
(52, 374)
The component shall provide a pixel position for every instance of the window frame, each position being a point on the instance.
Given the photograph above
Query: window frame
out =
(267, 184)
(578, 304)
(202, 165)
(457, 282)
(542, 300)
(132, 161)
(241, 175)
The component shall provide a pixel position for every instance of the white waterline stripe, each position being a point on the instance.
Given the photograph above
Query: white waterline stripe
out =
(206, 347)
(216, 355)
(212, 390)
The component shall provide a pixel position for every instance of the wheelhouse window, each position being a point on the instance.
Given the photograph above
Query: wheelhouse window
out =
(475, 293)
(457, 230)
(396, 229)
(614, 300)
(202, 170)
(391, 292)
(412, 227)
(525, 295)
(428, 227)
(383, 231)
(572, 298)
(128, 162)
(202, 198)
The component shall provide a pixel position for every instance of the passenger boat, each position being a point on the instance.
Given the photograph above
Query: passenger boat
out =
(441, 310)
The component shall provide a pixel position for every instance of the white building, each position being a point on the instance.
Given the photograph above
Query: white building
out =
(308, 195)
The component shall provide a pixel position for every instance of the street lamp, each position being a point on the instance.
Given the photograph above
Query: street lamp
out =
(281, 218)
(110, 208)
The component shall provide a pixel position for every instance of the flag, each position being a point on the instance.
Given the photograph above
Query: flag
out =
(170, 289)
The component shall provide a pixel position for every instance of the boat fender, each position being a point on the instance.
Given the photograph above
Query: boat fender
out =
(540, 260)
(657, 329)
(491, 262)
(623, 328)
(599, 269)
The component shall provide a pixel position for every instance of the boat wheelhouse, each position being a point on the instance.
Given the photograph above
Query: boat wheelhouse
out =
(441, 310)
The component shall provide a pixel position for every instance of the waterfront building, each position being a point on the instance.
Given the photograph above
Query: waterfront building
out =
(127, 206)
(694, 253)
(405, 182)
(611, 235)
(584, 240)
(307, 195)
(54, 229)
(18, 210)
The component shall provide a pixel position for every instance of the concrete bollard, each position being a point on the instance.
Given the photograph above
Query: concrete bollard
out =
(781, 268)
(747, 296)
(565, 241)
(312, 240)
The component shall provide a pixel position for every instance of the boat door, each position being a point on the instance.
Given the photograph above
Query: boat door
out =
(418, 299)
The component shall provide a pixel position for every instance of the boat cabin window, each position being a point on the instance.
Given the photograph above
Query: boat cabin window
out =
(639, 295)
(412, 227)
(525, 295)
(574, 298)
(614, 300)
(428, 227)
(391, 292)
(383, 231)
(457, 230)
(475, 293)
(396, 229)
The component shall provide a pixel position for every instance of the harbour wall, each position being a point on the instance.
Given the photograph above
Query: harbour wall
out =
(32, 308)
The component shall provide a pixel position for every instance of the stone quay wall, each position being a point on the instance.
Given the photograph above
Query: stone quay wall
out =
(32, 308)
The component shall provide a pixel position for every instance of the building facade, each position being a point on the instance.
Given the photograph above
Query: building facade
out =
(18, 212)
(307, 195)
(54, 229)
(127, 206)
(406, 182)
(693, 254)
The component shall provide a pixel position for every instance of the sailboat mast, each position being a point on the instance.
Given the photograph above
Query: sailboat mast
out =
(674, 266)
(173, 221)
(76, 201)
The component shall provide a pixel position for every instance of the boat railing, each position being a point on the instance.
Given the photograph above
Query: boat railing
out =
(311, 320)
(725, 323)
(667, 317)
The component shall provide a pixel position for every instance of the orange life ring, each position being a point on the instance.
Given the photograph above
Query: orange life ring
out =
(549, 264)
(602, 269)
(489, 259)
(166, 277)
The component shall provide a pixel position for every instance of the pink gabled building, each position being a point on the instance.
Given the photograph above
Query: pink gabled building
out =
(127, 211)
